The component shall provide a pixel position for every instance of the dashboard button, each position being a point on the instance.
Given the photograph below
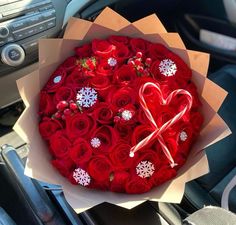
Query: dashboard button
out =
(51, 23)
(19, 35)
(2, 42)
(19, 24)
(4, 32)
(49, 14)
(40, 28)
(13, 55)
(34, 19)
(29, 32)
(30, 46)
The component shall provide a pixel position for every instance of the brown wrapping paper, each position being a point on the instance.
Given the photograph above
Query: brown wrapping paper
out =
(54, 51)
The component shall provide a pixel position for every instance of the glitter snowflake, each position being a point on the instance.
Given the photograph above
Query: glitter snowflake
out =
(86, 97)
(126, 115)
(167, 67)
(112, 61)
(57, 79)
(95, 142)
(183, 136)
(81, 177)
(145, 169)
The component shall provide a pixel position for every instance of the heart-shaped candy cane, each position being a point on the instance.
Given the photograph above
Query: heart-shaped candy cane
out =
(157, 133)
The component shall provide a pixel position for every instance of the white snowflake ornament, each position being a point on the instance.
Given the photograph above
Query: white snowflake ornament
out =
(86, 97)
(81, 177)
(145, 169)
(95, 142)
(126, 115)
(57, 79)
(183, 136)
(167, 67)
(112, 62)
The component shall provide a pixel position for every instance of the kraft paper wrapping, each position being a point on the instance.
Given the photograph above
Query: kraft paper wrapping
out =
(52, 52)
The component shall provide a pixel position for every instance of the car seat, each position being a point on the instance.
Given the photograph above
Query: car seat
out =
(208, 189)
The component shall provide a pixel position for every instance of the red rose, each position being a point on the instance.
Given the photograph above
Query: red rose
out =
(84, 51)
(157, 51)
(148, 155)
(65, 166)
(69, 64)
(79, 125)
(64, 94)
(122, 97)
(48, 127)
(137, 185)
(163, 115)
(107, 136)
(104, 185)
(122, 53)
(99, 168)
(185, 137)
(102, 48)
(127, 116)
(196, 119)
(101, 84)
(124, 131)
(56, 80)
(184, 73)
(192, 89)
(59, 144)
(139, 45)
(162, 175)
(103, 114)
(46, 105)
(161, 155)
(172, 146)
(152, 99)
(119, 156)
(76, 79)
(140, 132)
(80, 152)
(120, 178)
(139, 81)
(118, 40)
(180, 72)
(104, 69)
(125, 74)
(142, 118)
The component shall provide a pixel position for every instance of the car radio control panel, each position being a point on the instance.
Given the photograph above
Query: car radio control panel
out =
(22, 24)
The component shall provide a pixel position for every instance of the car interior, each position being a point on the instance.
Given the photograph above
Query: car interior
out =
(204, 25)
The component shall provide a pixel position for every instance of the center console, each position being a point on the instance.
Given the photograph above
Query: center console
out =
(22, 24)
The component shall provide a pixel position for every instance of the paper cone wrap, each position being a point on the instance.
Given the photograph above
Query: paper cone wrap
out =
(52, 52)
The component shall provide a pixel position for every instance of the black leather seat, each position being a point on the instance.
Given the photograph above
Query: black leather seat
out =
(208, 189)
(24, 198)
(5, 219)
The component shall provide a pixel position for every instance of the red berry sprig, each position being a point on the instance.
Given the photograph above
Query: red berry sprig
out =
(66, 109)
(141, 68)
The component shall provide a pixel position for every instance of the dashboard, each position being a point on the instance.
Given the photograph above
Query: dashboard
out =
(22, 24)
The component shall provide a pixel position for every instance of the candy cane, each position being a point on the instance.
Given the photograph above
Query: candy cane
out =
(157, 133)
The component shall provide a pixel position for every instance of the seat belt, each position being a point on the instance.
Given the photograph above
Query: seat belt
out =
(226, 192)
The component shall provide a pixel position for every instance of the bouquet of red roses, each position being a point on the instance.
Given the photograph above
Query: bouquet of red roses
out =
(119, 111)
(120, 115)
